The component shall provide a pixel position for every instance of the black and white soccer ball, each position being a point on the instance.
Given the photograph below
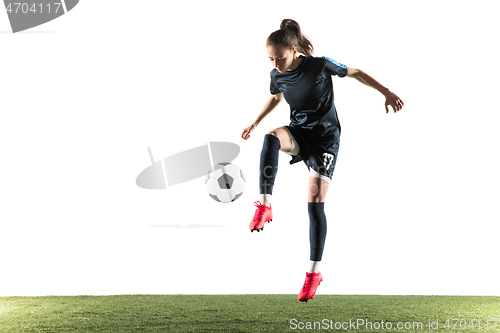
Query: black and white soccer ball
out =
(225, 182)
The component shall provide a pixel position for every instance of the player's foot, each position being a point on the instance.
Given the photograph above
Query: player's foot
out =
(262, 215)
(310, 285)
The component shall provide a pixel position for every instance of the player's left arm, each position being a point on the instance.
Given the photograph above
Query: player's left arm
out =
(390, 98)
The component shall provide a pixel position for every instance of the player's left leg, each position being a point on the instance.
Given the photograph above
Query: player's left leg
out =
(317, 190)
(319, 182)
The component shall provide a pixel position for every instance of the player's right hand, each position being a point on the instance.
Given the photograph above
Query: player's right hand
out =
(246, 132)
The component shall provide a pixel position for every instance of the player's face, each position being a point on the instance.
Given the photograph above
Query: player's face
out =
(281, 57)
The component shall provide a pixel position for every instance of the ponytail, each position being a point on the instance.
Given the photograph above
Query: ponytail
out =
(289, 36)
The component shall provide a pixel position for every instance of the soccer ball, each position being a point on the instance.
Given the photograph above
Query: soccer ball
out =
(225, 182)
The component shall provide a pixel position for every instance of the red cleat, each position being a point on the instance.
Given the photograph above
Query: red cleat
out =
(262, 215)
(310, 285)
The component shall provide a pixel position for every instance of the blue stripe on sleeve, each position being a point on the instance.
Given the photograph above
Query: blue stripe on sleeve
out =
(336, 63)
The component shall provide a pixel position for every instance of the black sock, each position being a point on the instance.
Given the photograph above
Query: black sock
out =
(317, 229)
(269, 163)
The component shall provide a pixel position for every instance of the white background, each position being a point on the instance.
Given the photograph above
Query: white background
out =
(413, 205)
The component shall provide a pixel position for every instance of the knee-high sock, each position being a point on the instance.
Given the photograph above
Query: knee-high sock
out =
(269, 163)
(317, 229)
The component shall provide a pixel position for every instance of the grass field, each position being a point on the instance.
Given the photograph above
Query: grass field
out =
(248, 313)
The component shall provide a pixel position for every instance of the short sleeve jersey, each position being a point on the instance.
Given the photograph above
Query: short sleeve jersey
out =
(308, 90)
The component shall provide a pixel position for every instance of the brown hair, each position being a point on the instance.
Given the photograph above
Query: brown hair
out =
(290, 35)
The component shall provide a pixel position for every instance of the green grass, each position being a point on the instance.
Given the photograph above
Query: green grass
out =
(239, 313)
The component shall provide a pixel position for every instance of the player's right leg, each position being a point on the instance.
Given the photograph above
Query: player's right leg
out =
(274, 141)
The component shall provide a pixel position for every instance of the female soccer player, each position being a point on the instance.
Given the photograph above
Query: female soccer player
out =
(313, 134)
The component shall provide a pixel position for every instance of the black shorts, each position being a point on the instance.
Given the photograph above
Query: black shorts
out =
(320, 156)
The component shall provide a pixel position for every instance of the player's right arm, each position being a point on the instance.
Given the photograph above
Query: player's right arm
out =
(270, 105)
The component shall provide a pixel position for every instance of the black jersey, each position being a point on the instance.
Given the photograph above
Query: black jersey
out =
(308, 90)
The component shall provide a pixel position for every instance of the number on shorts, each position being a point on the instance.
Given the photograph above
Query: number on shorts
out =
(327, 161)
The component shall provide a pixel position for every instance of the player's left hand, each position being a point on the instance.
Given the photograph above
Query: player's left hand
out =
(394, 101)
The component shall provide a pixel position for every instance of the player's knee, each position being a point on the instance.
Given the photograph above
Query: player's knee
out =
(316, 199)
(273, 132)
(316, 194)
(317, 190)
